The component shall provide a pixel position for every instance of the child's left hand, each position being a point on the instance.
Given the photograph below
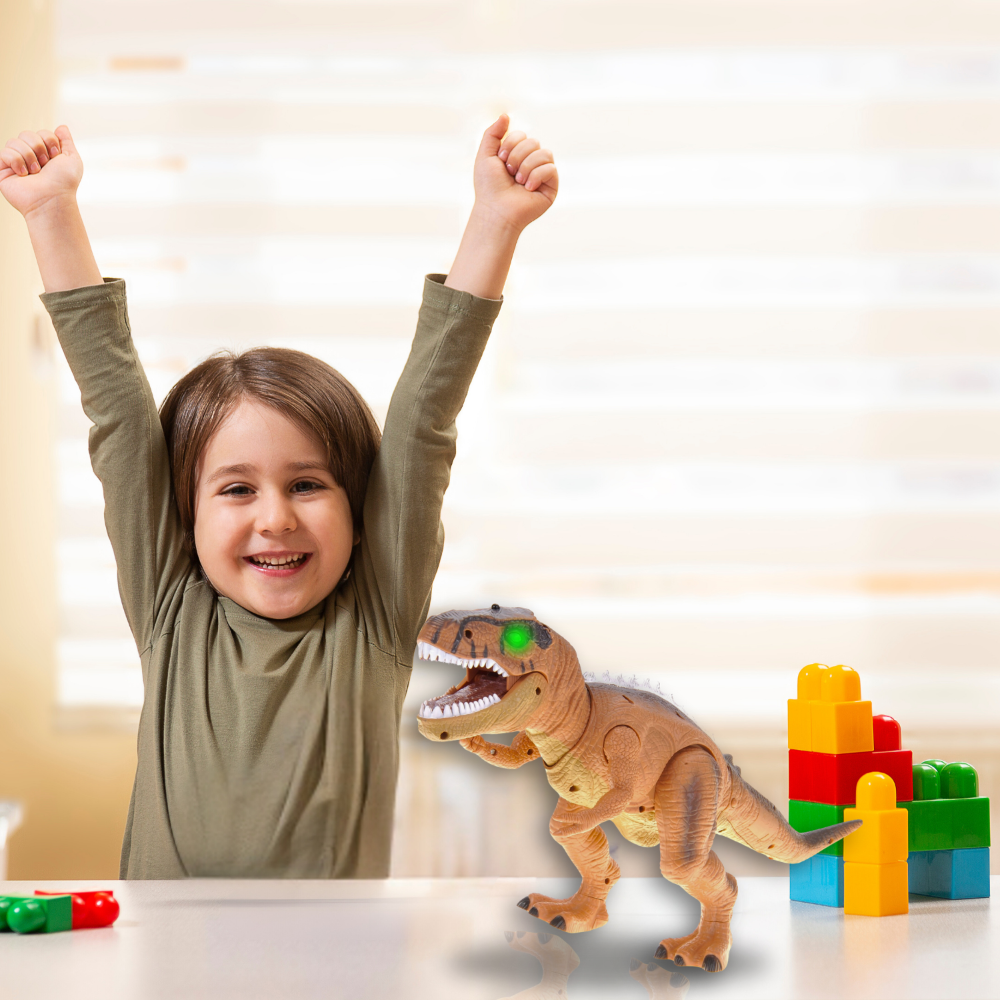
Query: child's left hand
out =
(515, 179)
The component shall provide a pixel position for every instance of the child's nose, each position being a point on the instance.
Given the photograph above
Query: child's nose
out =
(275, 516)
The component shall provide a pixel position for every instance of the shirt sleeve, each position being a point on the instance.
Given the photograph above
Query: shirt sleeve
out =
(127, 448)
(402, 536)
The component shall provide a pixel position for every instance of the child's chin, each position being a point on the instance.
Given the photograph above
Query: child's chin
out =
(265, 606)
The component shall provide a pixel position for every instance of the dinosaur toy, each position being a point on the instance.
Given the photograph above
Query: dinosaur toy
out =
(612, 753)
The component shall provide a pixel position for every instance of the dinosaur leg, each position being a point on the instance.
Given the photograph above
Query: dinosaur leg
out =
(686, 800)
(585, 910)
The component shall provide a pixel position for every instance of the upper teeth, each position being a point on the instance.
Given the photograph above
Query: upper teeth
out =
(456, 708)
(276, 560)
(428, 652)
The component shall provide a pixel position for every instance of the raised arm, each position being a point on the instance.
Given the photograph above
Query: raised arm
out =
(39, 175)
(47, 200)
(515, 182)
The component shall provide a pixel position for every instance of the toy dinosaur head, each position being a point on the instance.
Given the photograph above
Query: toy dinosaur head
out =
(510, 660)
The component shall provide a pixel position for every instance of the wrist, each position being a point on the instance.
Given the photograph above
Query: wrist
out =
(489, 222)
(56, 206)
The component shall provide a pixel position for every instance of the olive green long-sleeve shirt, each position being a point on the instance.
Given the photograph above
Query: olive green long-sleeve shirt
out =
(269, 748)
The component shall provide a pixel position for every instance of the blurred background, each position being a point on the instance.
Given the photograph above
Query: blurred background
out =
(739, 412)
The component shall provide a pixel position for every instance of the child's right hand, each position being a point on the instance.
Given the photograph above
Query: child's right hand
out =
(37, 167)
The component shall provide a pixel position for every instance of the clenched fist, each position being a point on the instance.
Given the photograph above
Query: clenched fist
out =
(514, 177)
(37, 167)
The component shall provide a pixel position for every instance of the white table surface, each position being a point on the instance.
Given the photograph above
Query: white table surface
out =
(443, 939)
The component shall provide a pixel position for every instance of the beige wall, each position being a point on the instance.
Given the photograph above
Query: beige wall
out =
(74, 784)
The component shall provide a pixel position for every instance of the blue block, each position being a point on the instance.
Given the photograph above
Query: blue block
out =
(959, 874)
(818, 880)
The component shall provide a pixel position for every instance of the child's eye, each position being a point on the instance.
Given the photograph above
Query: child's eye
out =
(307, 486)
(237, 491)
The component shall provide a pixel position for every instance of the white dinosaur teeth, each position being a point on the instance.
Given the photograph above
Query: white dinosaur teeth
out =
(425, 651)
(457, 708)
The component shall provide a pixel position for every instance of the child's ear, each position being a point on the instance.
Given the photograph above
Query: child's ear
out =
(357, 537)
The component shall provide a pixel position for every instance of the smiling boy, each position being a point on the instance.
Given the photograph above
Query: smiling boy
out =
(275, 557)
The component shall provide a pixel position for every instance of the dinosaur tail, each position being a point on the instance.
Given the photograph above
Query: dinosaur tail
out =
(753, 820)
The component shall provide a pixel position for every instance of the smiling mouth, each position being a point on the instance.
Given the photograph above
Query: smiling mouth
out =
(283, 565)
(485, 685)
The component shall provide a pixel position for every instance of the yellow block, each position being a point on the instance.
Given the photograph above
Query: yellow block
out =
(828, 715)
(883, 839)
(876, 890)
(799, 708)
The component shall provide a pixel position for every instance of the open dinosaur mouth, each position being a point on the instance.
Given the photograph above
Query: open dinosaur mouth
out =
(484, 685)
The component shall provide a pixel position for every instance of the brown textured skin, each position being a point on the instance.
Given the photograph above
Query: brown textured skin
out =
(618, 754)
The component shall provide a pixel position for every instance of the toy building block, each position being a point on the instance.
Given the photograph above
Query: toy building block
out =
(876, 890)
(806, 816)
(94, 908)
(947, 813)
(828, 716)
(875, 871)
(886, 733)
(33, 914)
(963, 874)
(820, 879)
(833, 778)
(882, 838)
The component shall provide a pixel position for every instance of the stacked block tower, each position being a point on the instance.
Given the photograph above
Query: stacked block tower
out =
(833, 743)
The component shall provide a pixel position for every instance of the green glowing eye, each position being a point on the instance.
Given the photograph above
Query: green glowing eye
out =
(517, 638)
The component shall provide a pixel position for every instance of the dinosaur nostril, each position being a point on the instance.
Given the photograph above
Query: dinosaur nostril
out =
(468, 633)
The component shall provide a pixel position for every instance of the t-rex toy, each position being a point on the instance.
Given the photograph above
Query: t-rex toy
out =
(612, 753)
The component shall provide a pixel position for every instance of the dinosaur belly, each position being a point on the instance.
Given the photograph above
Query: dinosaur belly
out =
(638, 828)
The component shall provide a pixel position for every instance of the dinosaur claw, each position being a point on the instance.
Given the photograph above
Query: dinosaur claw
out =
(678, 960)
(661, 952)
(509, 935)
(558, 921)
(634, 964)
(524, 903)
(711, 964)
(678, 979)
(544, 938)
(534, 911)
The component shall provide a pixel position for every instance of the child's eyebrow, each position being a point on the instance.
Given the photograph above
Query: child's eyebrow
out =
(243, 468)
(231, 470)
(300, 466)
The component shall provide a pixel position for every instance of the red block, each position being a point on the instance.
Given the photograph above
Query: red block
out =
(887, 733)
(833, 777)
(96, 908)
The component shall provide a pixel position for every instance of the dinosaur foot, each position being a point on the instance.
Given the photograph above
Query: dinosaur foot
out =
(576, 914)
(705, 949)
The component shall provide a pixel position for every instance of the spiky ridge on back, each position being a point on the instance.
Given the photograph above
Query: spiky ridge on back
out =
(634, 682)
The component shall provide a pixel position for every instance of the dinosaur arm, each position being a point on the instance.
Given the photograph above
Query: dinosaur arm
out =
(621, 747)
(521, 751)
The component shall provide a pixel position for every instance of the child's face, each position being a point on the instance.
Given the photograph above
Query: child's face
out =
(272, 527)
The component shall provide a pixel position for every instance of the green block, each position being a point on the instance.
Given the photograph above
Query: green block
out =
(805, 816)
(948, 824)
(959, 781)
(36, 914)
(926, 781)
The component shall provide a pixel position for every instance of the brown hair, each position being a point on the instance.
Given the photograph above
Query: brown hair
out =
(303, 388)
